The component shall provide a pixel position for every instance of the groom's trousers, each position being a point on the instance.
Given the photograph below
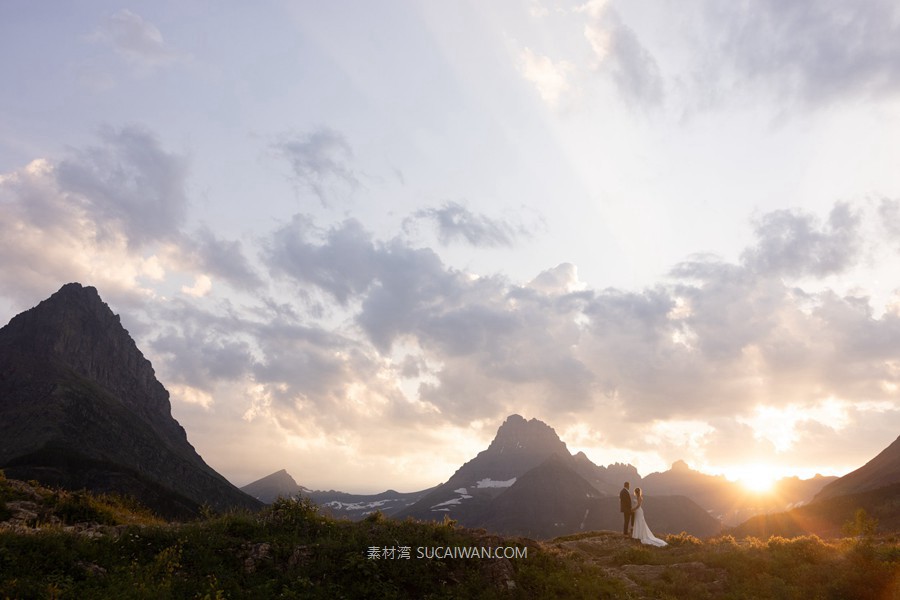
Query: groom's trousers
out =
(629, 520)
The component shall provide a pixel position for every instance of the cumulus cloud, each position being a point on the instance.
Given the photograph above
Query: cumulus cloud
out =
(341, 264)
(412, 341)
(128, 184)
(455, 222)
(112, 215)
(793, 243)
(226, 259)
(717, 340)
(320, 161)
(48, 238)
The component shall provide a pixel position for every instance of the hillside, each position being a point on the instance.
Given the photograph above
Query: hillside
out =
(881, 471)
(827, 517)
(63, 545)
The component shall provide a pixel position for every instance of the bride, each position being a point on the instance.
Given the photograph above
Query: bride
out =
(641, 531)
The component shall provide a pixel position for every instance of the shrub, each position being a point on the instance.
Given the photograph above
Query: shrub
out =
(682, 539)
(862, 525)
(82, 508)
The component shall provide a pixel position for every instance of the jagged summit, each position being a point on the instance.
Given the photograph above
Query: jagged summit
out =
(75, 327)
(80, 407)
(519, 445)
(517, 434)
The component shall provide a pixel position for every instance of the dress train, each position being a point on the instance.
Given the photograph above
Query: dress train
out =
(642, 532)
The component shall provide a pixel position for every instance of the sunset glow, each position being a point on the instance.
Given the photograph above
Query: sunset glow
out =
(759, 479)
(350, 240)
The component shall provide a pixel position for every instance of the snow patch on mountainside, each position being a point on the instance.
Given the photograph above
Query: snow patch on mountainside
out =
(490, 483)
(335, 504)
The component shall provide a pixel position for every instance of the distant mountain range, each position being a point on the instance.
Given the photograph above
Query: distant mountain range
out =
(338, 504)
(80, 407)
(528, 483)
(729, 501)
(874, 487)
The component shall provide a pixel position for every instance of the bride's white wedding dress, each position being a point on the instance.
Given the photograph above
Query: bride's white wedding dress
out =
(642, 532)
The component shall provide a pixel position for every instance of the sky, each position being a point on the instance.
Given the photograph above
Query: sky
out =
(353, 237)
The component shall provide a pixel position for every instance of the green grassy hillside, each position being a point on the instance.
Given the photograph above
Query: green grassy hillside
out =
(56, 544)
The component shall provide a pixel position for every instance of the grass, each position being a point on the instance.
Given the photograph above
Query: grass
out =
(290, 550)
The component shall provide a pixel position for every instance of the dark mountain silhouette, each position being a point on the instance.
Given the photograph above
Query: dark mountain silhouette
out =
(552, 500)
(270, 487)
(334, 503)
(519, 446)
(730, 501)
(881, 471)
(547, 501)
(80, 407)
(528, 483)
(826, 517)
(608, 479)
(874, 487)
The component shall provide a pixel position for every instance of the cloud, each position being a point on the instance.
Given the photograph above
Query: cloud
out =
(205, 251)
(889, 213)
(48, 238)
(135, 39)
(413, 343)
(456, 222)
(128, 184)
(551, 79)
(793, 243)
(618, 51)
(320, 161)
(815, 52)
(112, 215)
(715, 341)
(341, 261)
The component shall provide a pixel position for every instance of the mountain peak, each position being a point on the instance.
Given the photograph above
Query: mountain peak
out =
(680, 465)
(518, 434)
(82, 408)
(75, 328)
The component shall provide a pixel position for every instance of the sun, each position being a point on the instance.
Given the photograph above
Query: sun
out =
(759, 479)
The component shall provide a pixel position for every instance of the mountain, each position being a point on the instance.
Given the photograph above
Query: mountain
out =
(826, 517)
(547, 501)
(881, 471)
(358, 506)
(553, 500)
(729, 501)
(334, 503)
(528, 483)
(80, 407)
(874, 487)
(519, 446)
(270, 487)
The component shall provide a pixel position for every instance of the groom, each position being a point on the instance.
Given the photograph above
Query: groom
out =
(625, 507)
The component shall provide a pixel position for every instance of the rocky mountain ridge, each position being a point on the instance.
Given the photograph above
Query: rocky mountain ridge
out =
(80, 407)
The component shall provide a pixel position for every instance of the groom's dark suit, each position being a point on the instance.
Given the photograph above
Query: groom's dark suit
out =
(625, 507)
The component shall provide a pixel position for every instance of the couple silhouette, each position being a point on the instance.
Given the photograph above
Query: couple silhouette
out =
(634, 517)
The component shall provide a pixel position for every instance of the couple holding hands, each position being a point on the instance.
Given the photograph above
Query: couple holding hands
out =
(634, 516)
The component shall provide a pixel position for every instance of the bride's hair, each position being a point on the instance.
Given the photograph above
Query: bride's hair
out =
(637, 491)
